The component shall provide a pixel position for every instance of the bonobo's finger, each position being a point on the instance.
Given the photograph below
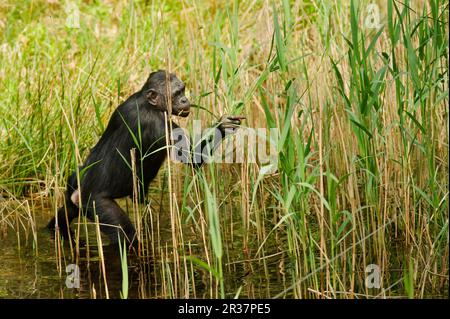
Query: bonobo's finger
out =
(232, 119)
(232, 122)
(236, 117)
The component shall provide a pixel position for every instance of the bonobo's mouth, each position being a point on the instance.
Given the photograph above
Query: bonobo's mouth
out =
(183, 113)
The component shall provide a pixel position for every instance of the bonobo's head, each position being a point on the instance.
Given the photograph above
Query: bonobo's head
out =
(160, 86)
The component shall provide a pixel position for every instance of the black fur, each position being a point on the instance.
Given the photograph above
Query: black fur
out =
(106, 175)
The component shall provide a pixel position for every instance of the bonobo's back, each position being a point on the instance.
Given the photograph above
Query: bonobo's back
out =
(134, 124)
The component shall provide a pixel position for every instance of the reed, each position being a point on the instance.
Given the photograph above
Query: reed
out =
(360, 105)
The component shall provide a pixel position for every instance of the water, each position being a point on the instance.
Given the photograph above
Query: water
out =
(30, 271)
(27, 271)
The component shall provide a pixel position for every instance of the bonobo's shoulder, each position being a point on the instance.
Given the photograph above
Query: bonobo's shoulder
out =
(129, 108)
(132, 101)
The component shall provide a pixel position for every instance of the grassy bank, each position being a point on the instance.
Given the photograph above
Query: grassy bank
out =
(362, 110)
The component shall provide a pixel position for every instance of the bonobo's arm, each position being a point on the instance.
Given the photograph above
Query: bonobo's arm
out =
(195, 152)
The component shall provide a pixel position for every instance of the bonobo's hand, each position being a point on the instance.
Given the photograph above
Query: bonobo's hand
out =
(230, 122)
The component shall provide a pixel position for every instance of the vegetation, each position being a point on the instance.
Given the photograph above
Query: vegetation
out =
(360, 104)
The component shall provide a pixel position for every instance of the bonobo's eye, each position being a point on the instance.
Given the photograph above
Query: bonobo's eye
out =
(178, 92)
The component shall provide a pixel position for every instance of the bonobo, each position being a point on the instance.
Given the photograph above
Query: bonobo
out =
(140, 122)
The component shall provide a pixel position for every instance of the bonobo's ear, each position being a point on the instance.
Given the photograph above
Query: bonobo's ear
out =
(152, 97)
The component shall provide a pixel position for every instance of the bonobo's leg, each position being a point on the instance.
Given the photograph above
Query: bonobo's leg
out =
(113, 220)
(65, 215)
(68, 211)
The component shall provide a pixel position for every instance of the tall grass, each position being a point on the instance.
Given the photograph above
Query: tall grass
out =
(362, 118)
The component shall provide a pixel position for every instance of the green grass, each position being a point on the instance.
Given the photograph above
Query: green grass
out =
(362, 116)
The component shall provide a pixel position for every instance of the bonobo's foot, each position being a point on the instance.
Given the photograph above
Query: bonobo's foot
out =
(130, 246)
(134, 247)
(230, 122)
(64, 232)
(66, 235)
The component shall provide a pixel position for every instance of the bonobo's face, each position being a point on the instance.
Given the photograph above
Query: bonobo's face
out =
(157, 89)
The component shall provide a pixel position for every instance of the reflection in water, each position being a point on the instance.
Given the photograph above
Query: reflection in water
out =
(27, 271)
(92, 281)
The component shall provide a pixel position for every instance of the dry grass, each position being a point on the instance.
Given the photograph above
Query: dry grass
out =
(363, 164)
